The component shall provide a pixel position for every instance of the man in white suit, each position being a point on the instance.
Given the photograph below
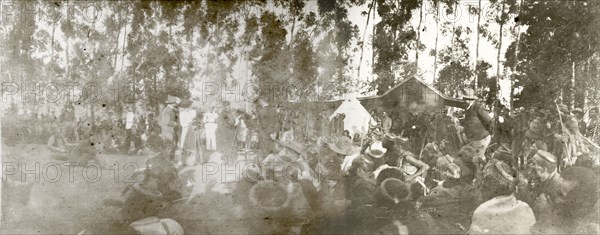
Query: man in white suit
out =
(210, 127)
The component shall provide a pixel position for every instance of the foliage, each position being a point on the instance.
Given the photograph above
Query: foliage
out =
(393, 39)
(559, 33)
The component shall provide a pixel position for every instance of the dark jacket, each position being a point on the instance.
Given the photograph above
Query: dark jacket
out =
(169, 183)
(477, 122)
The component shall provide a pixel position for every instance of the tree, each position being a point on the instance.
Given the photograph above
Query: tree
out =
(20, 45)
(393, 39)
(454, 77)
(559, 33)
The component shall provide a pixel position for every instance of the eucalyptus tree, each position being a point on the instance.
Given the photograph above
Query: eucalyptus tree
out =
(558, 53)
(394, 38)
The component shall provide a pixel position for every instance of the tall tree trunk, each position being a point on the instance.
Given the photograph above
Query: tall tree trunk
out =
(419, 34)
(118, 37)
(52, 40)
(293, 23)
(453, 30)
(497, 102)
(123, 49)
(362, 48)
(437, 36)
(477, 48)
(373, 37)
(68, 59)
(514, 68)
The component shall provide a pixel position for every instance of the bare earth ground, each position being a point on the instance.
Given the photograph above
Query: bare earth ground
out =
(73, 204)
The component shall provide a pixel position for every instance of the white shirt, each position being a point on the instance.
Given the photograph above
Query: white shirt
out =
(210, 117)
(129, 119)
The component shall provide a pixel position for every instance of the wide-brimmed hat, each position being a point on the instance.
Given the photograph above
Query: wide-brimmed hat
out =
(173, 100)
(268, 195)
(376, 150)
(395, 190)
(344, 146)
(295, 146)
(578, 110)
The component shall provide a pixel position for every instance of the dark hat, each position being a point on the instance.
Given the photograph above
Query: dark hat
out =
(395, 190)
(390, 172)
(268, 195)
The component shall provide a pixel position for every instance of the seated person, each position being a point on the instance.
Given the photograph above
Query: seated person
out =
(501, 213)
(82, 154)
(412, 167)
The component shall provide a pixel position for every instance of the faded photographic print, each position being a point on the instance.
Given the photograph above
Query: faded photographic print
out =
(300, 117)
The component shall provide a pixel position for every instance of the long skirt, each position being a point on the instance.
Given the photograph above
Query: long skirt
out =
(191, 144)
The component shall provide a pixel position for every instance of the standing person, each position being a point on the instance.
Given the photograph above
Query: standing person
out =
(267, 125)
(504, 128)
(210, 128)
(131, 131)
(568, 137)
(593, 127)
(188, 140)
(477, 125)
(242, 129)
(374, 123)
(167, 119)
(387, 123)
(578, 113)
(297, 125)
(252, 125)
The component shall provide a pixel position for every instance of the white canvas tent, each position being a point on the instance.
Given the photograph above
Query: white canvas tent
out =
(357, 117)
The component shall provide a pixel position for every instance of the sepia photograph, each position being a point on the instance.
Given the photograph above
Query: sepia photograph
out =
(300, 117)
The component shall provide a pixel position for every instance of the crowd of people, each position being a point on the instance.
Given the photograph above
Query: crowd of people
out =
(531, 171)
